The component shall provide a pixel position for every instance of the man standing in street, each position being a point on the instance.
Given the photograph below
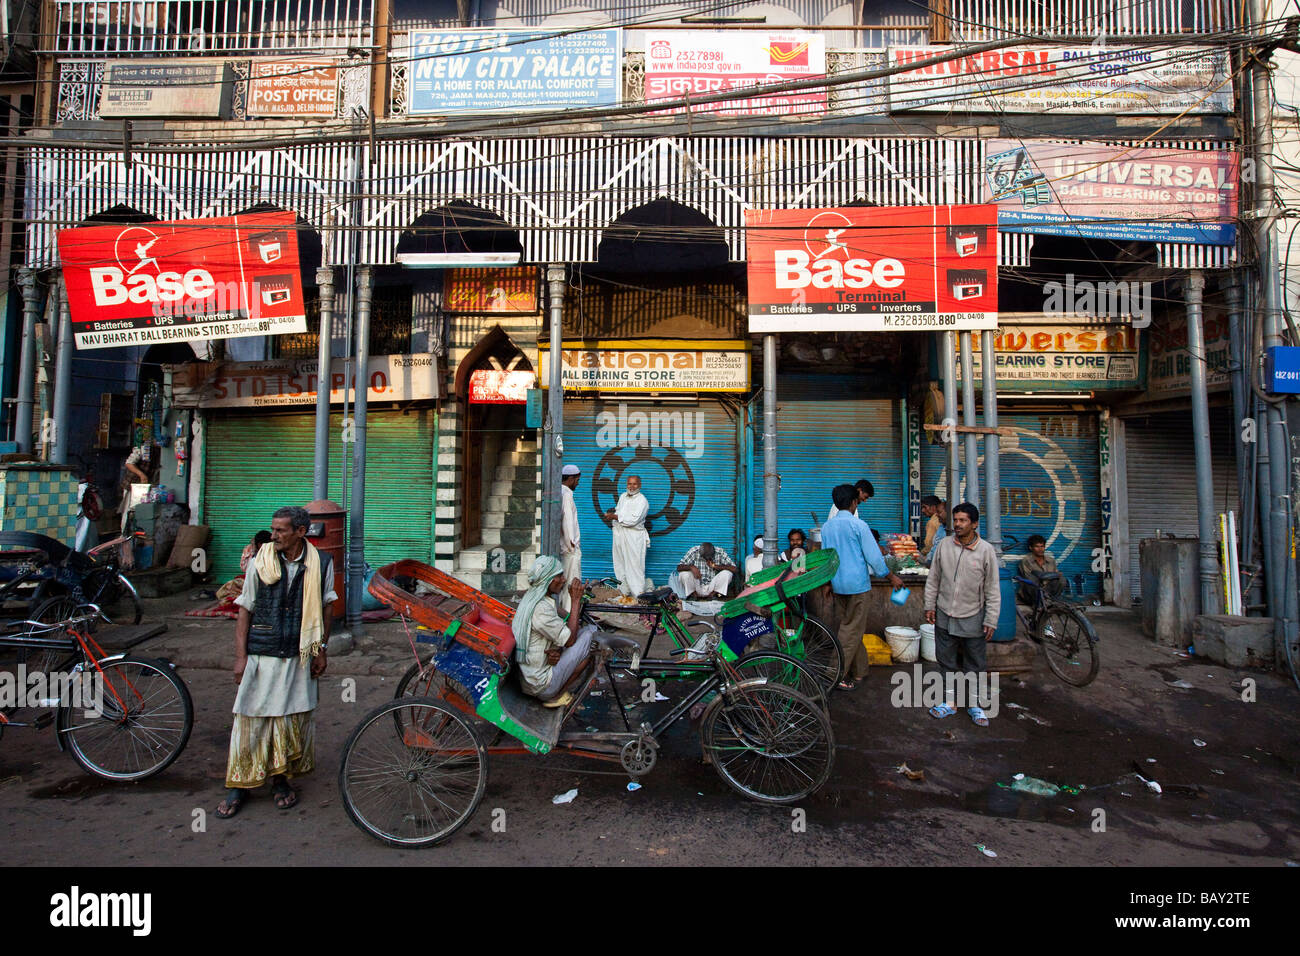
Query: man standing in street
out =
(935, 513)
(280, 643)
(962, 601)
(570, 534)
(630, 538)
(865, 491)
(859, 557)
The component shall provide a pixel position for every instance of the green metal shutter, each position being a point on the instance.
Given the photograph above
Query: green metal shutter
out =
(1051, 485)
(692, 474)
(257, 462)
(825, 437)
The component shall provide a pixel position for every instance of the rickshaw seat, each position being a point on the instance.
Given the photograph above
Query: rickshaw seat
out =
(499, 629)
(655, 596)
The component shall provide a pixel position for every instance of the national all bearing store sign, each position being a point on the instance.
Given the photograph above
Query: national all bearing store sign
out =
(872, 269)
(651, 365)
(143, 283)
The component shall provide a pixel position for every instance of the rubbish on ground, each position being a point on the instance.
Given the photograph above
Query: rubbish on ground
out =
(566, 797)
(1198, 741)
(1191, 650)
(632, 786)
(1182, 654)
(1151, 784)
(1219, 772)
(909, 773)
(1011, 706)
(1039, 788)
(659, 696)
(1151, 759)
(593, 730)
(1180, 684)
(597, 693)
(1038, 720)
(985, 850)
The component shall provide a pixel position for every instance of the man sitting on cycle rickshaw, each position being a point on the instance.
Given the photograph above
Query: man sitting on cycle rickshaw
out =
(1035, 566)
(549, 649)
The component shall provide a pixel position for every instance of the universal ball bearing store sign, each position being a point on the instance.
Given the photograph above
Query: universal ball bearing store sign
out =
(174, 281)
(872, 269)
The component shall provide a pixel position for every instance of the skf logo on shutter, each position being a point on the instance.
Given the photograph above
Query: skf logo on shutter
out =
(824, 261)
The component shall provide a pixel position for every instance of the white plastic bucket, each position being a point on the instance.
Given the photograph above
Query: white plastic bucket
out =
(927, 642)
(904, 643)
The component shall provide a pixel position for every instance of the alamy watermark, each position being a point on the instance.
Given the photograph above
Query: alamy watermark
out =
(38, 689)
(1113, 299)
(959, 690)
(680, 430)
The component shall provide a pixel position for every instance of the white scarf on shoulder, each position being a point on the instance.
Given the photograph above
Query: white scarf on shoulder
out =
(267, 564)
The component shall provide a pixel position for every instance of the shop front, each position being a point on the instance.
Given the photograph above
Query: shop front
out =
(256, 429)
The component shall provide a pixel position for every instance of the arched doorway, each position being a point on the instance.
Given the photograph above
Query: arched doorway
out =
(495, 423)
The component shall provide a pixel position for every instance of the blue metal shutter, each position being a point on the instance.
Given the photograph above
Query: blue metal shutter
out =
(256, 462)
(1051, 485)
(689, 478)
(826, 437)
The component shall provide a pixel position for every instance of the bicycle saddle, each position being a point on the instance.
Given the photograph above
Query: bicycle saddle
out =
(615, 642)
(1050, 576)
(657, 596)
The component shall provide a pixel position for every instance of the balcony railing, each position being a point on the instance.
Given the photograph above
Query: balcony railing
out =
(132, 27)
(974, 20)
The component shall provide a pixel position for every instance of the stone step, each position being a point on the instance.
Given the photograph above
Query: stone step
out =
(518, 538)
(523, 472)
(497, 585)
(521, 520)
(516, 488)
(518, 458)
(515, 504)
(494, 558)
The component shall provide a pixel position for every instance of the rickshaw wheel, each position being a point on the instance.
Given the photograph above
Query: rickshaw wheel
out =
(769, 742)
(416, 786)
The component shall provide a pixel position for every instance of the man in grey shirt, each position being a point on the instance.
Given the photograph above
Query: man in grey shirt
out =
(962, 601)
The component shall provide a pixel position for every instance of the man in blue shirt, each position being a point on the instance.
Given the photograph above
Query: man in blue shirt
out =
(860, 556)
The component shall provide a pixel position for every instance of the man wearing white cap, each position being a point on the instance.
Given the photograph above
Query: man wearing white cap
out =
(754, 563)
(627, 522)
(570, 534)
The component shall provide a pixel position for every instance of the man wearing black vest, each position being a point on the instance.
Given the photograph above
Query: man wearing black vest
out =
(280, 641)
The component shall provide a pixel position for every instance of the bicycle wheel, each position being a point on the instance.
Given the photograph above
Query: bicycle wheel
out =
(769, 742)
(144, 721)
(821, 649)
(50, 660)
(1069, 644)
(785, 669)
(418, 787)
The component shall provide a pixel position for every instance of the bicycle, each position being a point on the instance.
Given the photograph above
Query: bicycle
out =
(1062, 630)
(141, 712)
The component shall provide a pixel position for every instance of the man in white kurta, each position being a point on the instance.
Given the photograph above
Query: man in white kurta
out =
(570, 533)
(630, 538)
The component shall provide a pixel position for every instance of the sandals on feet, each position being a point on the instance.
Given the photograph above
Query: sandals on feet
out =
(286, 798)
(978, 717)
(847, 684)
(234, 800)
(940, 711)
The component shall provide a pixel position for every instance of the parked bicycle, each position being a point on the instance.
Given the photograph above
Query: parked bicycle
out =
(1062, 630)
(122, 717)
(44, 580)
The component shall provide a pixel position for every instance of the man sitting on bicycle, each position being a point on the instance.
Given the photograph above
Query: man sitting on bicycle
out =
(1033, 566)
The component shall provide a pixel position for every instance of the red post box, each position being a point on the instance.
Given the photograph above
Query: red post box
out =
(326, 532)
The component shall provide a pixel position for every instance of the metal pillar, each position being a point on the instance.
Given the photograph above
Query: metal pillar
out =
(770, 479)
(553, 448)
(948, 369)
(1242, 408)
(27, 361)
(1277, 530)
(1209, 558)
(357, 508)
(62, 384)
(321, 472)
(992, 523)
(971, 453)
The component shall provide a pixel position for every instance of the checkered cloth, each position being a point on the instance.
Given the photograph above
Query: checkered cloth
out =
(39, 501)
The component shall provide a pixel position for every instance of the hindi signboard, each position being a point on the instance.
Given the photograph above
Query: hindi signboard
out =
(873, 269)
(491, 291)
(285, 382)
(143, 283)
(482, 71)
(1108, 191)
(156, 88)
(696, 62)
(293, 88)
(1042, 79)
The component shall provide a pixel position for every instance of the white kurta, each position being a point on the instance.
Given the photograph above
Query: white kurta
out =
(630, 542)
(570, 543)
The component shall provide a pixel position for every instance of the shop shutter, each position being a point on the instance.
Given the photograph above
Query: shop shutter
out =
(257, 462)
(694, 477)
(826, 437)
(1161, 469)
(1050, 471)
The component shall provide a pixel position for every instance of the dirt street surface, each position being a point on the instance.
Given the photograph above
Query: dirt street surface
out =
(1234, 800)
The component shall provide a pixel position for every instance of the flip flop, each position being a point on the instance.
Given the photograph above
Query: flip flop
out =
(940, 711)
(234, 800)
(564, 700)
(281, 790)
(978, 717)
(846, 684)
